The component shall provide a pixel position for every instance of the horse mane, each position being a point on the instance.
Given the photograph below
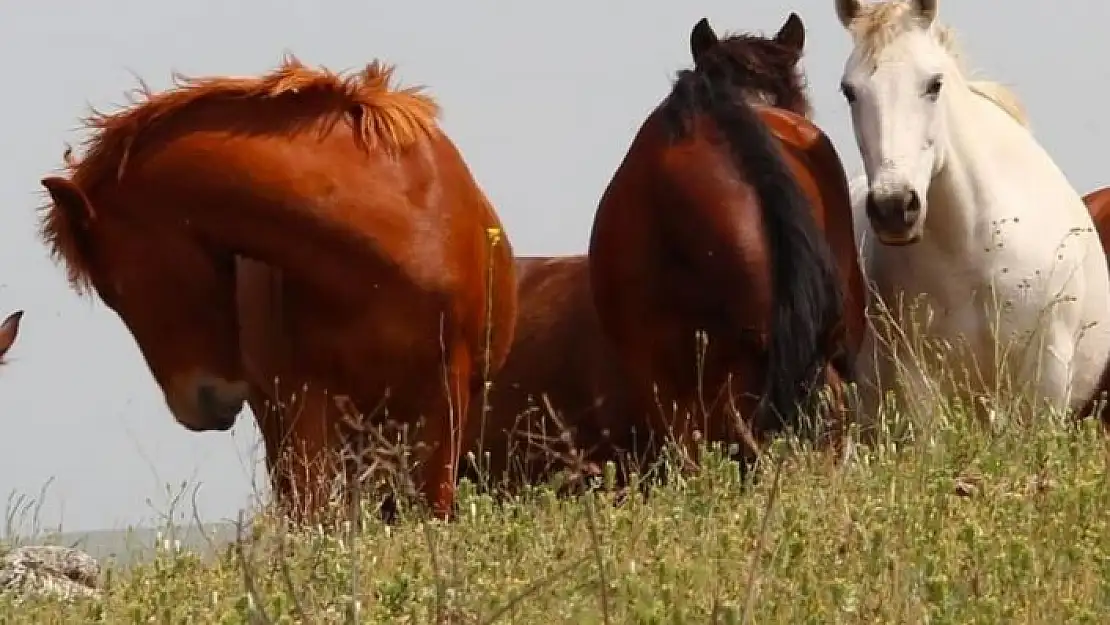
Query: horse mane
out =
(381, 116)
(385, 117)
(765, 68)
(808, 302)
(878, 25)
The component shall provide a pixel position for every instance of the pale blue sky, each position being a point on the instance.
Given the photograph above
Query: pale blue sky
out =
(541, 97)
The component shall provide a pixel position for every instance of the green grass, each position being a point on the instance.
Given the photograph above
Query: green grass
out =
(964, 526)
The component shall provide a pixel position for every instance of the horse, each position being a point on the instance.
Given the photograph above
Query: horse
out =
(1098, 204)
(397, 280)
(560, 400)
(969, 211)
(552, 405)
(722, 259)
(9, 331)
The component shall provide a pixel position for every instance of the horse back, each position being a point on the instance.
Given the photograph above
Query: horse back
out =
(559, 361)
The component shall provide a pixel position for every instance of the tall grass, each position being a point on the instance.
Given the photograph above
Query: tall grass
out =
(974, 523)
(936, 514)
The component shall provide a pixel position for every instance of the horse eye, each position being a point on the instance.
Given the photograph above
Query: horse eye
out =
(848, 91)
(932, 90)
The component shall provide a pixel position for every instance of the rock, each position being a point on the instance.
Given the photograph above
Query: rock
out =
(50, 571)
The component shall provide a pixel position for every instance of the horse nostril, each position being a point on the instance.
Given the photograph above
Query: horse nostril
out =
(220, 410)
(887, 207)
(206, 397)
(912, 210)
(913, 203)
(895, 212)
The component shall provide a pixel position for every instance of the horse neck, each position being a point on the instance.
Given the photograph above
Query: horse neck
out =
(319, 247)
(961, 194)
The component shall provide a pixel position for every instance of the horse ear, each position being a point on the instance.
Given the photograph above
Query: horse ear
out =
(69, 199)
(702, 38)
(847, 10)
(927, 9)
(792, 34)
(9, 330)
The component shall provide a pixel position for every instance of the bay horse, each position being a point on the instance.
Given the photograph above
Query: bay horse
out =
(1098, 204)
(561, 399)
(972, 215)
(730, 216)
(9, 330)
(398, 282)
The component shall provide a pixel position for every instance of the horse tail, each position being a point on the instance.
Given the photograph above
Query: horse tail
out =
(808, 297)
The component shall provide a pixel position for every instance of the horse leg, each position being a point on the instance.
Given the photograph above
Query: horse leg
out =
(868, 373)
(441, 435)
(674, 416)
(307, 464)
(883, 370)
(835, 414)
(1099, 401)
(268, 420)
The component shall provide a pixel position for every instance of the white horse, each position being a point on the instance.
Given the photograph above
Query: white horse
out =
(967, 209)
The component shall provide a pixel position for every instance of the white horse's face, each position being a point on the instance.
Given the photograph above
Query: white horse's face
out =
(899, 123)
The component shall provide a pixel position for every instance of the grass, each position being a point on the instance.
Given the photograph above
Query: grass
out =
(944, 516)
(967, 525)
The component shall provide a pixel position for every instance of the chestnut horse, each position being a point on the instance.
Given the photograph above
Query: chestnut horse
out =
(561, 399)
(9, 330)
(560, 377)
(713, 223)
(397, 280)
(1098, 204)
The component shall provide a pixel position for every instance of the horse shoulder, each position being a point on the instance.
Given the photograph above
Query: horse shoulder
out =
(432, 220)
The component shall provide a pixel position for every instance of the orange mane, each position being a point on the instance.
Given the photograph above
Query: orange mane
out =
(382, 116)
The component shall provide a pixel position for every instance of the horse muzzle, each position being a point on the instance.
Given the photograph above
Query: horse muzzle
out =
(895, 216)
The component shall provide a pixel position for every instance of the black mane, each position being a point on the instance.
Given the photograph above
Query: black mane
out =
(746, 65)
